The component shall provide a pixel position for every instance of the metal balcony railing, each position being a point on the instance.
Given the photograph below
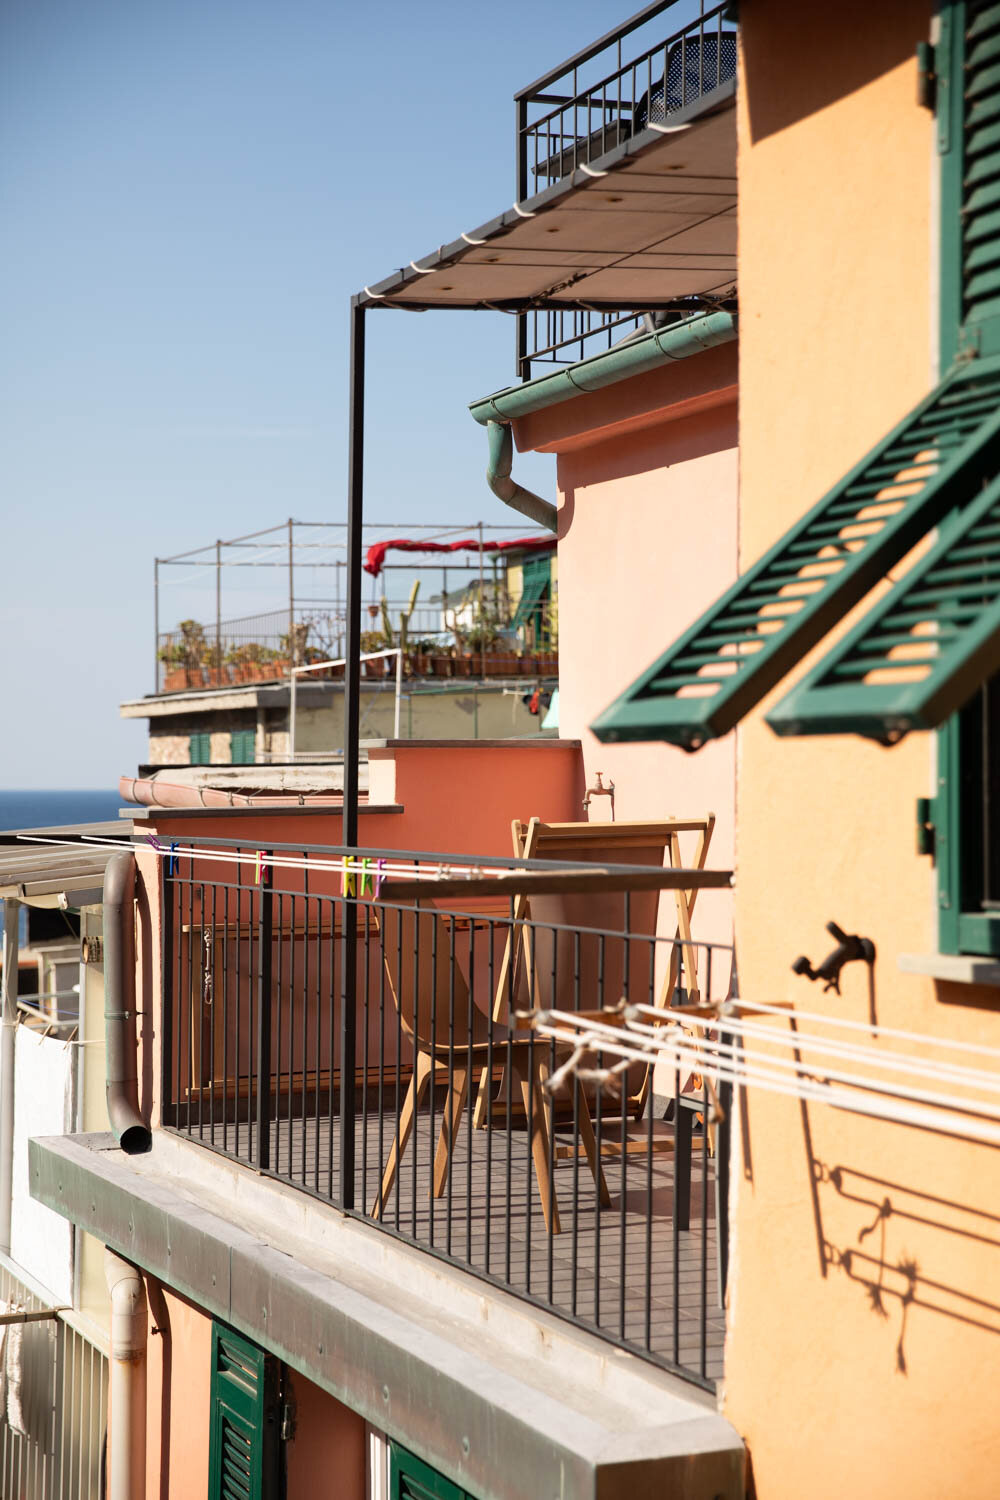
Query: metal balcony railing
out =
(370, 1051)
(631, 79)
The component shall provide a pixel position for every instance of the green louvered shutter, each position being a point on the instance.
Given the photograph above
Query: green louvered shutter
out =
(974, 148)
(934, 460)
(242, 747)
(535, 579)
(243, 1437)
(411, 1479)
(200, 749)
(919, 655)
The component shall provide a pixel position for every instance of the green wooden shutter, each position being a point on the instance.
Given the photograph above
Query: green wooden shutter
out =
(934, 460)
(535, 579)
(243, 1436)
(411, 1479)
(242, 746)
(975, 160)
(922, 652)
(200, 749)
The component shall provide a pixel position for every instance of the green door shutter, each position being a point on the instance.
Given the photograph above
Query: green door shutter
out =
(934, 460)
(536, 577)
(243, 1437)
(411, 1479)
(972, 166)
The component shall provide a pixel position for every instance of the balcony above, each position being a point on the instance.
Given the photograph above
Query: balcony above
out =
(627, 186)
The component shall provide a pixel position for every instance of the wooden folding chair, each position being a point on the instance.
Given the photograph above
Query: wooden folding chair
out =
(432, 999)
(528, 975)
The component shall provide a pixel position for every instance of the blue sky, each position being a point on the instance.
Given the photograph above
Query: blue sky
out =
(189, 195)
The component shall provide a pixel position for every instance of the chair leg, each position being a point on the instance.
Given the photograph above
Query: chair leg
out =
(684, 1127)
(454, 1105)
(534, 1109)
(590, 1147)
(422, 1070)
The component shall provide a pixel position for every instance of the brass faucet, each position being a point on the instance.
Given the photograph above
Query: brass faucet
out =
(600, 790)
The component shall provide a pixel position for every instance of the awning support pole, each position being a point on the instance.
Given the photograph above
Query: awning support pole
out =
(352, 700)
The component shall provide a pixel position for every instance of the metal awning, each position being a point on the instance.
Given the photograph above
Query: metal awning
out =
(68, 874)
(649, 224)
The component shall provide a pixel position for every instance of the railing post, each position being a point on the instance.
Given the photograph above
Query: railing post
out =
(168, 993)
(521, 188)
(352, 697)
(265, 934)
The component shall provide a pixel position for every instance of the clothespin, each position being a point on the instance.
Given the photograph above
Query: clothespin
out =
(348, 880)
(379, 876)
(172, 859)
(153, 841)
(259, 868)
(367, 878)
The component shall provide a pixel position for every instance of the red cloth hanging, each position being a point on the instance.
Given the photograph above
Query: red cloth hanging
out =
(375, 556)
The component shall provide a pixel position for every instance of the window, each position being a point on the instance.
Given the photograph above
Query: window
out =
(243, 747)
(243, 1434)
(411, 1479)
(200, 749)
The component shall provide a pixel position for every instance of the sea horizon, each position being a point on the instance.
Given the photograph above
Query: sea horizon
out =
(48, 807)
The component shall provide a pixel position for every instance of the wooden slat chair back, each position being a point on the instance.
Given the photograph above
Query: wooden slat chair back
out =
(424, 992)
(572, 968)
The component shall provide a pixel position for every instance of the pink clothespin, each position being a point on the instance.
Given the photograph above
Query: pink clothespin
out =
(379, 876)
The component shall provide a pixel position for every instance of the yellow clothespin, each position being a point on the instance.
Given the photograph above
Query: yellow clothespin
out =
(348, 880)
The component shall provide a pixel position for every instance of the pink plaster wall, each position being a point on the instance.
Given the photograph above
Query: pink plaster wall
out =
(328, 1455)
(178, 1396)
(647, 540)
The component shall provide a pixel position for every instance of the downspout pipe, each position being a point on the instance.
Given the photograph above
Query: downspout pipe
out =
(501, 460)
(126, 1380)
(121, 1048)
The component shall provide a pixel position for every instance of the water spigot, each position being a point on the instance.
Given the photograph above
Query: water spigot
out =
(600, 790)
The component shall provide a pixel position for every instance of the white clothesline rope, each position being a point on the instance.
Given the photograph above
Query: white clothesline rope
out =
(727, 1063)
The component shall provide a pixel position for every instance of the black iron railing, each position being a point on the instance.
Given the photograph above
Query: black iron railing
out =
(629, 81)
(430, 1115)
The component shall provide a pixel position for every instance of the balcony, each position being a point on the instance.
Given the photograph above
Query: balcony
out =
(487, 610)
(440, 1129)
(626, 194)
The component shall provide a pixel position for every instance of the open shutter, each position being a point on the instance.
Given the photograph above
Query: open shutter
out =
(243, 1438)
(536, 577)
(922, 652)
(979, 166)
(411, 1479)
(934, 460)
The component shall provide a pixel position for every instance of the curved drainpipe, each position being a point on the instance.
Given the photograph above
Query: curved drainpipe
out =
(498, 478)
(126, 1380)
(121, 1048)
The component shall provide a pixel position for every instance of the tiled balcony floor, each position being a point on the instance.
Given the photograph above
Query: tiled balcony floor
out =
(615, 1270)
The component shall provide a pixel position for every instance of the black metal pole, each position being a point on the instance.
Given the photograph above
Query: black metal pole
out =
(352, 696)
(265, 942)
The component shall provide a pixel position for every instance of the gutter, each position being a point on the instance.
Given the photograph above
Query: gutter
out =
(636, 357)
(121, 1046)
(498, 478)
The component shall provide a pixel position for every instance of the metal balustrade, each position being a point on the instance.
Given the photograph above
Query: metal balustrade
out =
(369, 1049)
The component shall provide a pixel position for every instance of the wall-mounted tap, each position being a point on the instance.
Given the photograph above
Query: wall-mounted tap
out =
(849, 947)
(600, 790)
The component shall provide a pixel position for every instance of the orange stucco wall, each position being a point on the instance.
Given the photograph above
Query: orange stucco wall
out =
(647, 477)
(845, 1373)
(327, 1454)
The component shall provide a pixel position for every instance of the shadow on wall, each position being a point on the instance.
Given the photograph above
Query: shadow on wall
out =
(799, 60)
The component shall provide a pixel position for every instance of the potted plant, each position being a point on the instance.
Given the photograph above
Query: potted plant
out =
(185, 656)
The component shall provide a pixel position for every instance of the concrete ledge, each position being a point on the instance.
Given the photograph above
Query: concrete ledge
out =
(955, 968)
(505, 1399)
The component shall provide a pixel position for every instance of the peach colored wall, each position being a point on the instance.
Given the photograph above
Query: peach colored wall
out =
(329, 1453)
(647, 480)
(178, 1396)
(838, 1385)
